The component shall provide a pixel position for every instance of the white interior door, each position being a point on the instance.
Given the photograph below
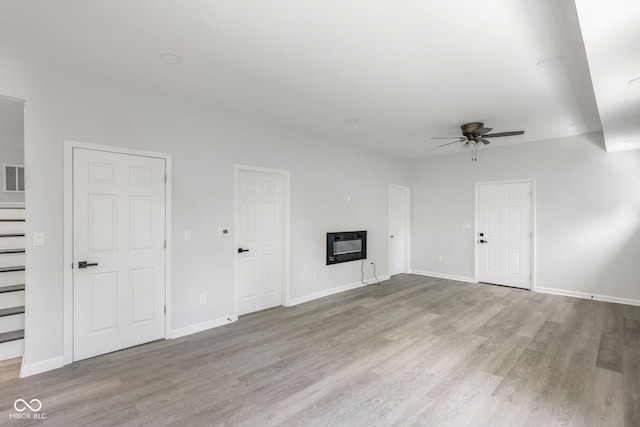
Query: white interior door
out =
(119, 231)
(260, 219)
(398, 229)
(504, 240)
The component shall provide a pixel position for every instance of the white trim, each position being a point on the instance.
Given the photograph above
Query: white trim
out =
(29, 369)
(202, 326)
(586, 295)
(69, 145)
(407, 223)
(531, 181)
(11, 349)
(286, 228)
(443, 276)
(12, 205)
(336, 290)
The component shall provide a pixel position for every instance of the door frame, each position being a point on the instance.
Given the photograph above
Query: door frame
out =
(531, 181)
(69, 145)
(407, 229)
(286, 212)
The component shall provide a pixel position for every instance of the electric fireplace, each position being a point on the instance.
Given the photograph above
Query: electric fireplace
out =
(346, 246)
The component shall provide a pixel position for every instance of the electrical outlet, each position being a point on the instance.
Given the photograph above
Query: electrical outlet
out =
(439, 258)
(203, 298)
(187, 235)
(315, 275)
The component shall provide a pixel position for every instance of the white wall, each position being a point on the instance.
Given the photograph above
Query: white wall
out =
(11, 142)
(205, 146)
(588, 212)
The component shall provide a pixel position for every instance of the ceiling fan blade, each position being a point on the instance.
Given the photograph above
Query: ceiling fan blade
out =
(448, 143)
(495, 135)
(484, 141)
(483, 131)
(449, 137)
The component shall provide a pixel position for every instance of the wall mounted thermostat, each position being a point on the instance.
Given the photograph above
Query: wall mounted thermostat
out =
(224, 231)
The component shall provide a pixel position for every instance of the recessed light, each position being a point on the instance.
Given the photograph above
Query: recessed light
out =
(632, 141)
(170, 58)
(548, 62)
(576, 124)
(634, 82)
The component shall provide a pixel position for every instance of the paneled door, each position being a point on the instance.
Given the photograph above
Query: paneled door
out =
(505, 234)
(398, 229)
(260, 222)
(118, 251)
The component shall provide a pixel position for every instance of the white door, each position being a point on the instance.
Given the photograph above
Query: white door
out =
(119, 231)
(504, 240)
(398, 229)
(260, 219)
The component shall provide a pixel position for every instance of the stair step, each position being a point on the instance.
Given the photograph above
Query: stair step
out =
(10, 269)
(12, 336)
(12, 288)
(11, 311)
(12, 251)
(12, 235)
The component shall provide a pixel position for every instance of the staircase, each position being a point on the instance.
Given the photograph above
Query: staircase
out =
(12, 261)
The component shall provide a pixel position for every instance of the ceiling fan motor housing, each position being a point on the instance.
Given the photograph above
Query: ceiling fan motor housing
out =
(469, 129)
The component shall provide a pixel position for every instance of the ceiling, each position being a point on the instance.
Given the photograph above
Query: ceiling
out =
(388, 75)
(611, 33)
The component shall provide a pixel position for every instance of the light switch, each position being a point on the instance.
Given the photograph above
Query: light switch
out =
(187, 234)
(466, 226)
(38, 239)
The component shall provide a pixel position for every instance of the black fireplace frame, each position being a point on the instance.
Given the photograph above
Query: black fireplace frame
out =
(345, 236)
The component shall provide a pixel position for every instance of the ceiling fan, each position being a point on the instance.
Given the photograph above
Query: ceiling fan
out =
(473, 134)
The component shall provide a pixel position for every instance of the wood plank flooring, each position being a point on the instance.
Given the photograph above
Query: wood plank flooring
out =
(10, 369)
(412, 351)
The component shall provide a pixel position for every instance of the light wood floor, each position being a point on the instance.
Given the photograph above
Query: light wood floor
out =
(10, 369)
(413, 351)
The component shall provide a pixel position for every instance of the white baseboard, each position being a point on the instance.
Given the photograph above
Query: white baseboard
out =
(336, 290)
(203, 326)
(443, 276)
(29, 369)
(585, 295)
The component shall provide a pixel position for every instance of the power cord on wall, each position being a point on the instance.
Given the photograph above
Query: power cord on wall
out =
(374, 274)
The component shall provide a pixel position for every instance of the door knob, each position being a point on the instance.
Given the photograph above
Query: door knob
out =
(85, 264)
(240, 250)
(483, 241)
(391, 237)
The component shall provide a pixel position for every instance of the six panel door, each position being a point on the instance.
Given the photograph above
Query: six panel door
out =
(260, 227)
(504, 240)
(119, 232)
